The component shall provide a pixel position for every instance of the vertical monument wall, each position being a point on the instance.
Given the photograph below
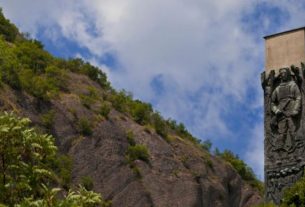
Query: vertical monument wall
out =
(284, 100)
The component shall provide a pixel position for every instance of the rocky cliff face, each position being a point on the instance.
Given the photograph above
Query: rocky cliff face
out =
(177, 173)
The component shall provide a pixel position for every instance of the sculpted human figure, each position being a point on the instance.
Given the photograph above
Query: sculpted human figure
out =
(285, 104)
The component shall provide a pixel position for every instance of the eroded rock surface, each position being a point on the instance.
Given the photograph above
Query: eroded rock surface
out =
(178, 174)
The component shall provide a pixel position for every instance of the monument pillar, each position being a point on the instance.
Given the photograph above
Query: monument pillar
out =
(283, 82)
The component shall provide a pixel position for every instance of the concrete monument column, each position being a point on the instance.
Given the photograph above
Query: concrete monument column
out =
(283, 82)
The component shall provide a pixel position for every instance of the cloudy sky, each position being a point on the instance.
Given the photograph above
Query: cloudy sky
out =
(196, 61)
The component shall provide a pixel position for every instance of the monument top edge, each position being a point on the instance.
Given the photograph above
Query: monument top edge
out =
(284, 32)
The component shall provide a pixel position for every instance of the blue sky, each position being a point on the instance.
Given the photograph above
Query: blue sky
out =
(196, 61)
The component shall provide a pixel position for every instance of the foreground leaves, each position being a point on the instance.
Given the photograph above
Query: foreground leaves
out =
(26, 169)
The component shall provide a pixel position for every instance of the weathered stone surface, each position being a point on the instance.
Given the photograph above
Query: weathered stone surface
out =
(178, 174)
(284, 130)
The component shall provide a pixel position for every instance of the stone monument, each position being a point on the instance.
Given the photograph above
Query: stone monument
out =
(283, 83)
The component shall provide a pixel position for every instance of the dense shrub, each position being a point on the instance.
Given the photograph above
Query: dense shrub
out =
(27, 169)
(47, 119)
(130, 138)
(295, 195)
(90, 97)
(105, 109)
(181, 130)
(56, 78)
(32, 56)
(9, 65)
(63, 168)
(85, 127)
(87, 182)
(38, 86)
(77, 65)
(206, 145)
(160, 125)
(7, 30)
(141, 112)
(121, 101)
(265, 205)
(23, 169)
(137, 152)
(43, 84)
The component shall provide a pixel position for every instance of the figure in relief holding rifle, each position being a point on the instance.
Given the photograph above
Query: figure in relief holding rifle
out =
(286, 105)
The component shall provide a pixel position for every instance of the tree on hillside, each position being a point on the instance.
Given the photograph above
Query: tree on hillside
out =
(7, 30)
(26, 169)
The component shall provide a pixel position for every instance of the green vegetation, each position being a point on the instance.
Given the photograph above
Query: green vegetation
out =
(87, 182)
(121, 100)
(31, 55)
(130, 138)
(160, 125)
(295, 195)
(25, 65)
(77, 65)
(181, 130)
(27, 169)
(209, 163)
(265, 205)
(105, 109)
(63, 168)
(141, 112)
(90, 98)
(137, 152)
(206, 145)
(47, 119)
(7, 30)
(242, 168)
(85, 127)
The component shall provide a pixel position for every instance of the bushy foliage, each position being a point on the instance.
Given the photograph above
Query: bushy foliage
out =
(26, 172)
(121, 101)
(85, 127)
(63, 168)
(80, 198)
(137, 152)
(130, 138)
(90, 97)
(206, 145)
(105, 109)
(265, 205)
(9, 65)
(31, 55)
(77, 65)
(87, 182)
(160, 125)
(295, 195)
(25, 66)
(181, 130)
(47, 119)
(7, 29)
(242, 168)
(24, 157)
(42, 86)
(141, 112)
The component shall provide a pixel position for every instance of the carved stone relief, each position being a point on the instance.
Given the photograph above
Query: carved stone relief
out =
(284, 129)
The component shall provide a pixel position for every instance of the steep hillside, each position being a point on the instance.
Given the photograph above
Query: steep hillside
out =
(120, 147)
